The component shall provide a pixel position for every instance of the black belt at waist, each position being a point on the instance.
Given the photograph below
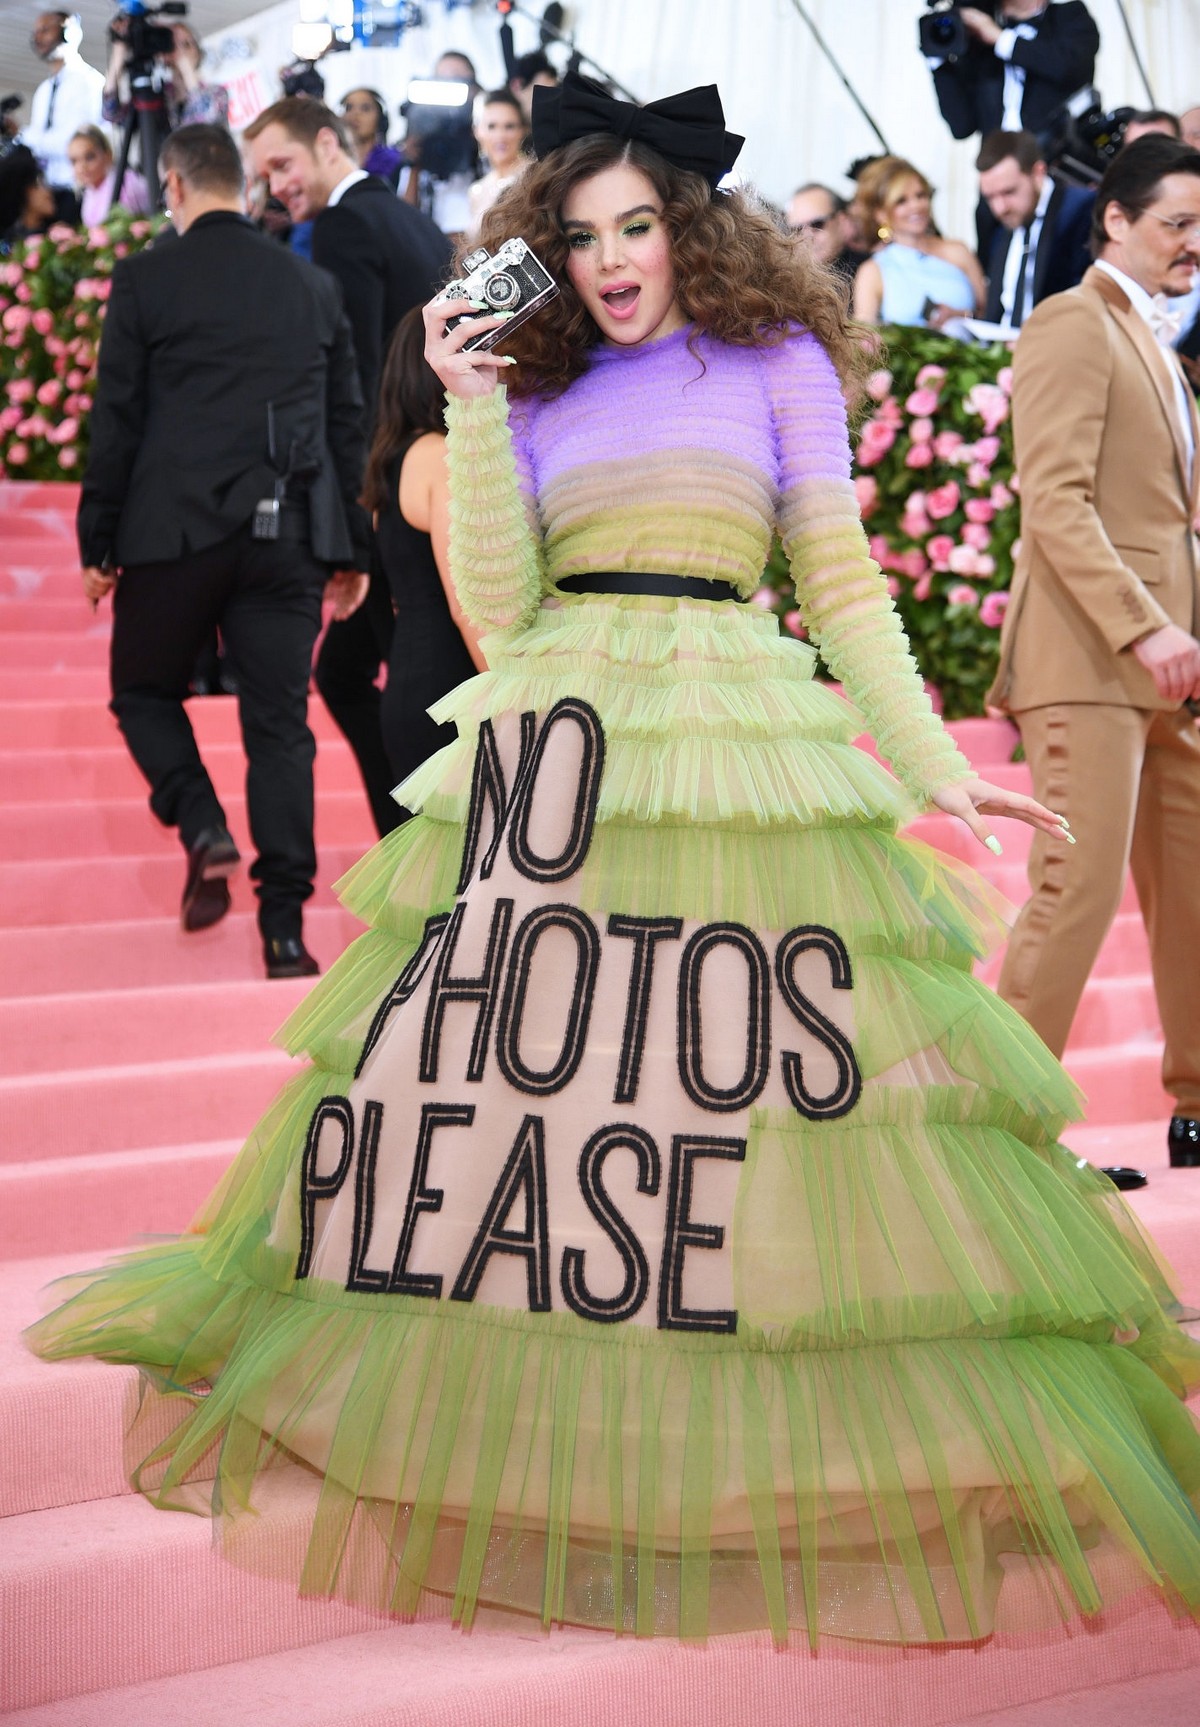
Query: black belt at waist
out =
(647, 582)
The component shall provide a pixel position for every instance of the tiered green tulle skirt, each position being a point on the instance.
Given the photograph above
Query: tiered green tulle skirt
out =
(667, 1233)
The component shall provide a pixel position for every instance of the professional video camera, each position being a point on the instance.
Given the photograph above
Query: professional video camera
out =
(942, 33)
(439, 115)
(139, 26)
(1083, 137)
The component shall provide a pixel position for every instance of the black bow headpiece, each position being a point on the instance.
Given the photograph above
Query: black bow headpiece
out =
(688, 130)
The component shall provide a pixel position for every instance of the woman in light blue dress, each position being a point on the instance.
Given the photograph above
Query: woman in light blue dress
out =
(917, 276)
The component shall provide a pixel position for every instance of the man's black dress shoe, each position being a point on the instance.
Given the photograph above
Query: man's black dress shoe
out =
(1125, 1178)
(211, 862)
(1183, 1142)
(287, 956)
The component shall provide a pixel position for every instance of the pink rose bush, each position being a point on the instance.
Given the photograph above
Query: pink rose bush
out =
(53, 293)
(935, 487)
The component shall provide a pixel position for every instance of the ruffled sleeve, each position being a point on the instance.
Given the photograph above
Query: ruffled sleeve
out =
(495, 551)
(840, 589)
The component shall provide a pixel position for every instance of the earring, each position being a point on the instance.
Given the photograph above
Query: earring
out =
(884, 232)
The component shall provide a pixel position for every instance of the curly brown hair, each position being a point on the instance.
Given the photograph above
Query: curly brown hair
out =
(738, 277)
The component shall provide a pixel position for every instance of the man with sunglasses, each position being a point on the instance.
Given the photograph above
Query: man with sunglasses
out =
(819, 218)
(1100, 665)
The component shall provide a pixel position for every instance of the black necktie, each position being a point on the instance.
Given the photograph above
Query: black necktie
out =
(1018, 306)
(50, 104)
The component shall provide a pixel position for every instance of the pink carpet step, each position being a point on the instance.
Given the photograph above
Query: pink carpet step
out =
(106, 1201)
(41, 612)
(1125, 952)
(1122, 1083)
(145, 951)
(99, 1109)
(113, 1593)
(1114, 1010)
(106, 771)
(119, 827)
(48, 892)
(56, 649)
(49, 1033)
(57, 714)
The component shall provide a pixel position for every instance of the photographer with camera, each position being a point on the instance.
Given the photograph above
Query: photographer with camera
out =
(388, 258)
(69, 98)
(1009, 66)
(186, 99)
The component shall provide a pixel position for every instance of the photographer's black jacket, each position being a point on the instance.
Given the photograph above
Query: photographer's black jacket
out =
(1058, 61)
(388, 258)
(201, 333)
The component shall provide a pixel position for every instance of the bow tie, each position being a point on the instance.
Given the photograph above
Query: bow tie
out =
(1166, 321)
(688, 129)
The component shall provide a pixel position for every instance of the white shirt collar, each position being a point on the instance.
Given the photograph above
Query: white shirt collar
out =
(1139, 299)
(343, 186)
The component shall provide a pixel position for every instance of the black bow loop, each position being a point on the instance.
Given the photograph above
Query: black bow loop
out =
(688, 130)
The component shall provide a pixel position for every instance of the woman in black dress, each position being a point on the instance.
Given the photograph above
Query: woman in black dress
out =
(434, 647)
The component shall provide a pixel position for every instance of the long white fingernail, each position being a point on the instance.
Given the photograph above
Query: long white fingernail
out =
(993, 845)
(1069, 837)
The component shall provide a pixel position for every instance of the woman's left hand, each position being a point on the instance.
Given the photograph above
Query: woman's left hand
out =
(971, 800)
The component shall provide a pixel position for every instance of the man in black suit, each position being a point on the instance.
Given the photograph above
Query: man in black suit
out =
(1041, 243)
(1020, 66)
(388, 257)
(226, 459)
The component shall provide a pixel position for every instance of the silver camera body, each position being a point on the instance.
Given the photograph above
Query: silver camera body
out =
(508, 280)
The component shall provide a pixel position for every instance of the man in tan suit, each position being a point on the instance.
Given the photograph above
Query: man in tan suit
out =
(1099, 652)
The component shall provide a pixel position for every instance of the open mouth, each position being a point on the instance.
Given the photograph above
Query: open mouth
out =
(620, 299)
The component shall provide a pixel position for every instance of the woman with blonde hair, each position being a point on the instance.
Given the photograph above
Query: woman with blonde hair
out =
(916, 276)
(96, 179)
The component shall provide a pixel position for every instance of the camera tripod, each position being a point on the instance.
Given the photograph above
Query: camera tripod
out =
(147, 118)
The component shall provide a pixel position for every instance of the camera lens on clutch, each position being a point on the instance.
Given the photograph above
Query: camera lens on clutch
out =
(501, 290)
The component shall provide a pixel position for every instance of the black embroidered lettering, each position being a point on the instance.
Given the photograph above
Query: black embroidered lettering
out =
(362, 1276)
(541, 1082)
(608, 1310)
(644, 933)
(683, 1232)
(587, 795)
(405, 984)
(482, 990)
(525, 1172)
(422, 1198)
(488, 787)
(758, 1020)
(848, 1086)
(314, 1187)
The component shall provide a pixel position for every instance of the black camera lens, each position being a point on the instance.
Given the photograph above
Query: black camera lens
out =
(501, 290)
(941, 30)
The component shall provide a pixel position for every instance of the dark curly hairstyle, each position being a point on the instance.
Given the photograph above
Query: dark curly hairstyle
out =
(738, 278)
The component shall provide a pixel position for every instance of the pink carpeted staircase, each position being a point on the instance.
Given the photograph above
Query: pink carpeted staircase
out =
(133, 1059)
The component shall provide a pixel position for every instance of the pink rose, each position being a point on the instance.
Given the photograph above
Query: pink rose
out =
(964, 561)
(979, 509)
(1004, 379)
(1001, 496)
(913, 564)
(9, 419)
(939, 549)
(922, 403)
(38, 426)
(49, 392)
(16, 318)
(75, 379)
(946, 445)
(43, 321)
(878, 385)
(943, 500)
(963, 595)
(764, 598)
(879, 549)
(877, 439)
(922, 588)
(866, 490)
(921, 431)
(931, 377)
(10, 275)
(990, 403)
(914, 522)
(18, 455)
(20, 390)
(992, 610)
(985, 565)
(1015, 483)
(987, 449)
(919, 456)
(793, 623)
(139, 230)
(68, 431)
(979, 475)
(81, 320)
(890, 413)
(67, 458)
(975, 534)
(24, 293)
